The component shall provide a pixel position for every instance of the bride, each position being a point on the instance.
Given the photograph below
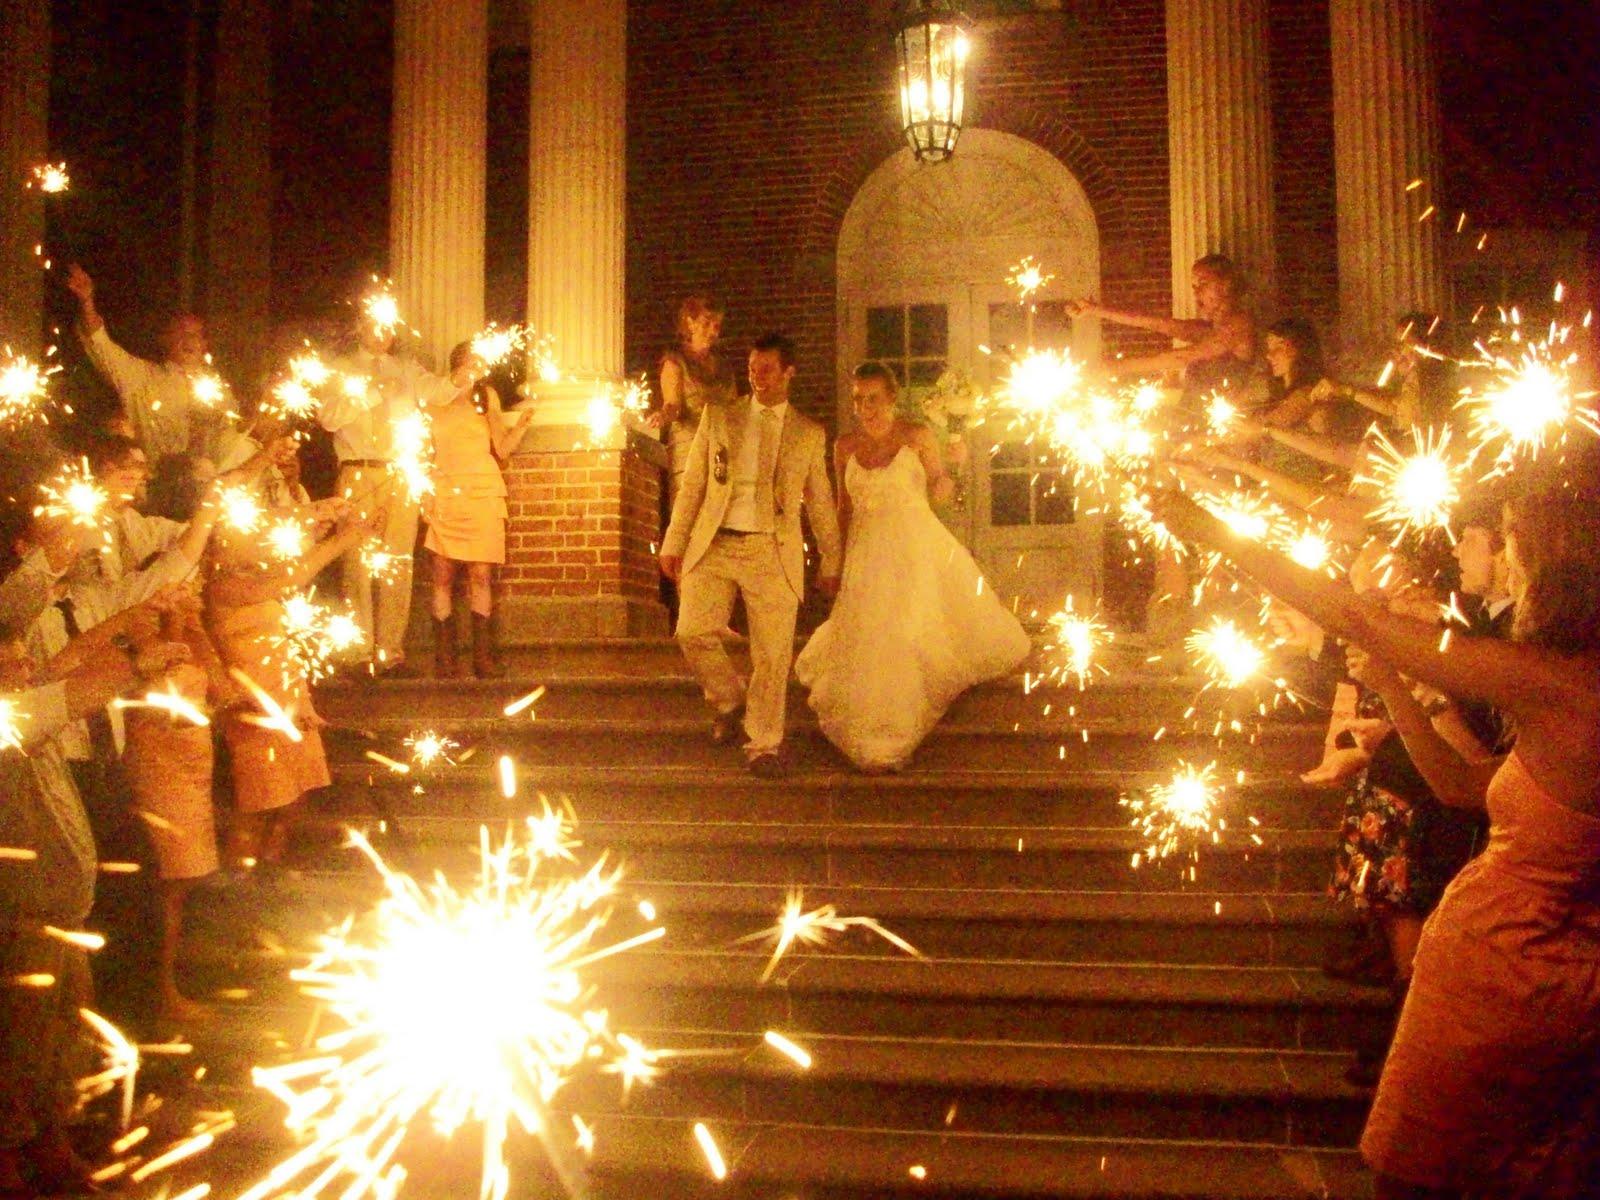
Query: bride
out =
(914, 624)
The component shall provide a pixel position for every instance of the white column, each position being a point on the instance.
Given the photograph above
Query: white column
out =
(1385, 134)
(438, 176)
(1219, 140)
(577, 165)
(239, 223)
(24, 133)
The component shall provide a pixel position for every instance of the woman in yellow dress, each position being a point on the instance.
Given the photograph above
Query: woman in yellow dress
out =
(466, 513)
(693, 375)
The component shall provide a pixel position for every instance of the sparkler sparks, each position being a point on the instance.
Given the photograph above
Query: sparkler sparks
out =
(412, 437)
(241, 510)
(24, 386)
(1531, 395)
(11, 721)
(1027, 277)
(314, 634)
(1074, 640)
(1181, 812)
(428, 747)
(381, 310)
(1228, 656)
(1415, 491)
(207, 389)
(1221, 413)
(382, 565)
(796, 925)
(288, 539)
(293, 398)
(609, 407)
(456, 1006)
(50, 178)
(75, 494)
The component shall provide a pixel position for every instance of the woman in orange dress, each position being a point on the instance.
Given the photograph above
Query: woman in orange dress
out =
(277, 756)
(693, 375)
(1492, 1086)
(466, 514)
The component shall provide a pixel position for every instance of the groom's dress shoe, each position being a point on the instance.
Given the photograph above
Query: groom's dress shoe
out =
(728, 727)
(769, 766)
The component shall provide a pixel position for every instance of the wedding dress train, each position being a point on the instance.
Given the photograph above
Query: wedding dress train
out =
(913, 627)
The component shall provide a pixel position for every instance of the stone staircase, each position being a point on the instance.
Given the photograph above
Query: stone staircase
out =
(1076, 1027)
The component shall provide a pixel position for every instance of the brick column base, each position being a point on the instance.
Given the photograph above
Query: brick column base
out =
(582, 538)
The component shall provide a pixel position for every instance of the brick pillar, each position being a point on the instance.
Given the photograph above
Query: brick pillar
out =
(581, 561)
(584, 510)
(24, 121)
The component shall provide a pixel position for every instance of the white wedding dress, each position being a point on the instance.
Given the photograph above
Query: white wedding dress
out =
(913, 627)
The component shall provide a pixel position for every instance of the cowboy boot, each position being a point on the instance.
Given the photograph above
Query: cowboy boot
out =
(485, 665)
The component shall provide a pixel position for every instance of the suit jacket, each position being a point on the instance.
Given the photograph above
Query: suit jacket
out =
(801, 479)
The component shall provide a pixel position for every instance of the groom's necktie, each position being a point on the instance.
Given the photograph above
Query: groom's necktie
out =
(766, 464)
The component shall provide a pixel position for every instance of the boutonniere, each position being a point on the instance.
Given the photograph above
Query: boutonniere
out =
(719, 465)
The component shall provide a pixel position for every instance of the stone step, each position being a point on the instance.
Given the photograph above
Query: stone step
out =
(365, 790)
(1291, 1098)
(685, 743)
(1289, 929)
(904, 997)
(1093, 858)
(654, 1156)
(1153, 698)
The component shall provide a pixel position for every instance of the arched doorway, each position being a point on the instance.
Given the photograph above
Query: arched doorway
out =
(923, 257)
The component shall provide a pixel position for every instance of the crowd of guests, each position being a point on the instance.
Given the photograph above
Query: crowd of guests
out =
(161, 731)
(1462, 674)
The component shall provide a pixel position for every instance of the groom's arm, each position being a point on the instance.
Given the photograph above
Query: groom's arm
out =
(824, 518)
(686, 507)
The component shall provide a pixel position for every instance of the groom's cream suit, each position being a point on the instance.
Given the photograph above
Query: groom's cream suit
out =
(736, 525)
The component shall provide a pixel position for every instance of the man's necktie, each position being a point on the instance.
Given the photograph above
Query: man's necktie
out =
(767, 464)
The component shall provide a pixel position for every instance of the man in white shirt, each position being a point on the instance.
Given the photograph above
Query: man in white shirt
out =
(177, 406)
(387, 389)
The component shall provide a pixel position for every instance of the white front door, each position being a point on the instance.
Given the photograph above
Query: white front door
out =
(923, 259)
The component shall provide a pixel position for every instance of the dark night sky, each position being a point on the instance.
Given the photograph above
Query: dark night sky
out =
(1517, 85)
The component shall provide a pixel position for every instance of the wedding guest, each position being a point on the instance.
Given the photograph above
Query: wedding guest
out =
(693, 375)
(362, 422)
(168, 415)
(1491, 1085)
(275, 762)
(1418, 392)
(1222, 346)
(735, 532)
(914, 626)
(40, 1027)
(466, 514)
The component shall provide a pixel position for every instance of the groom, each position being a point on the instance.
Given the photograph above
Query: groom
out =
(735, 530)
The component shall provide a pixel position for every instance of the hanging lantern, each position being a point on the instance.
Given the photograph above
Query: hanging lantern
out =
(931, 48)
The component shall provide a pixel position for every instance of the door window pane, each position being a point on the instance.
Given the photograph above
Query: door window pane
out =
(912, 340)
(886, 338)
(930, 331)
(1010, 501)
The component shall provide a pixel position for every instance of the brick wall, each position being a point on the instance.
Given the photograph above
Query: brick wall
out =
(745, 200)
(580, 523)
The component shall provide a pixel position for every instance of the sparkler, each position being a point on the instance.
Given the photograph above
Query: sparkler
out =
(1309, 546)
(309, 369)
(428, 747)
(1531, 395)
(380, 564)
(287, 539)
(413, 454)
(456, 1006)
(798, 926)
(1027, 277)
(495, 344)
(207, 389)
(1247, 514)
(24, 386)
(50, 178)
(1221, 413)
(1183, 810)
(314, 634)
(171, 702)
(11, 721)
(293, 398)
(381, 310)
(75, 494)
(611, 405)
(242, 511)
(1417, 490)
(1227, 655)
(1075, 638)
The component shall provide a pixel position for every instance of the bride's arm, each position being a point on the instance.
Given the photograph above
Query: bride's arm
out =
(940, 485)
